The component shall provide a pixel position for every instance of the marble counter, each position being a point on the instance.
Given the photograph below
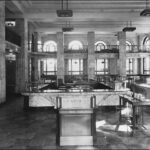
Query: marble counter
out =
(103, 97)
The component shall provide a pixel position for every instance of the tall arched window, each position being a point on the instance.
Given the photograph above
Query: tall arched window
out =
(100, 45)
(75, 45)
(146, 44)
(50, 46)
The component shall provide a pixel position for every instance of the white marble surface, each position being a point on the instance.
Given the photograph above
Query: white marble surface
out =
(103, 98)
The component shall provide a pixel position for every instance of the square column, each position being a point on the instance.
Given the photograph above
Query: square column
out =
(113, 66)
(122, 54)
(140, 66)
(91, 55)
(138, 43)
(60, 58)
(135, 66)
(34, 60)
(2, 53)
(85, 67)
(22, 57)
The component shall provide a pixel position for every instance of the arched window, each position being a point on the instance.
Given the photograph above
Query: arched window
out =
(100, 45)
(146, 44)
(50, 46)
(75, 45)
(128, 45)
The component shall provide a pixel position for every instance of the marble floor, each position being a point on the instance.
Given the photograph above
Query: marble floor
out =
(36, 129)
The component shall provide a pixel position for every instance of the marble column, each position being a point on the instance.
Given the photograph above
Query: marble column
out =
(66, 66)
(91, 55)
(140, 65)
(122, 54)
(22, 57)
(85, 67)
(138, 43)
(135, 66)
(60, 58)
(113, 66)
(2, 53)
(34, 60)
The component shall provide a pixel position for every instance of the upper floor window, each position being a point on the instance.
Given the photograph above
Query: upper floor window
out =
(50, 46)
(146, 44)
(75, 45)
(128, 45)
(100, 45)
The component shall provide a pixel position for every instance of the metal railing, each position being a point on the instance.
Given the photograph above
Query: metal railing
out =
(107, 49)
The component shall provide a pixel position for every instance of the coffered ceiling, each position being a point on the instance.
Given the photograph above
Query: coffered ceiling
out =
(101, 16)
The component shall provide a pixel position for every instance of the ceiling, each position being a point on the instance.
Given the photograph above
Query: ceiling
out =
(101, 16)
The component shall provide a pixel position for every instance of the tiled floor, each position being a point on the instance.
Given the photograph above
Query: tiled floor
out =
(36, 129)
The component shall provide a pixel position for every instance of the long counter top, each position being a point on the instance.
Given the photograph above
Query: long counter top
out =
(61, 92)
(103, 98)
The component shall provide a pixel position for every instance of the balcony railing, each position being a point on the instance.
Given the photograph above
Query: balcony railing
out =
(108, 49)
(83, 50)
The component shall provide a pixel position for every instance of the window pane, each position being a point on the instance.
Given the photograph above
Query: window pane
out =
(75, 66)
(75, 45)
(101, 66)
(50, 46)
(100, 45)
(50, 66)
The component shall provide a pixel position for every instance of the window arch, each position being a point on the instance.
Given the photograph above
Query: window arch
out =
(100, 45)
(75, 45)
(128, 45)
(50, 46)
(146, 44)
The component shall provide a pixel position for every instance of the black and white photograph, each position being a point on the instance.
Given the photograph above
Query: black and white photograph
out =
(74, 74)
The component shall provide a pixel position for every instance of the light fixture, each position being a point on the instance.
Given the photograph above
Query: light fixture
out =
(64, 12)
(10, 23)
(67, 28)
(146, 11)
(129, 28)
